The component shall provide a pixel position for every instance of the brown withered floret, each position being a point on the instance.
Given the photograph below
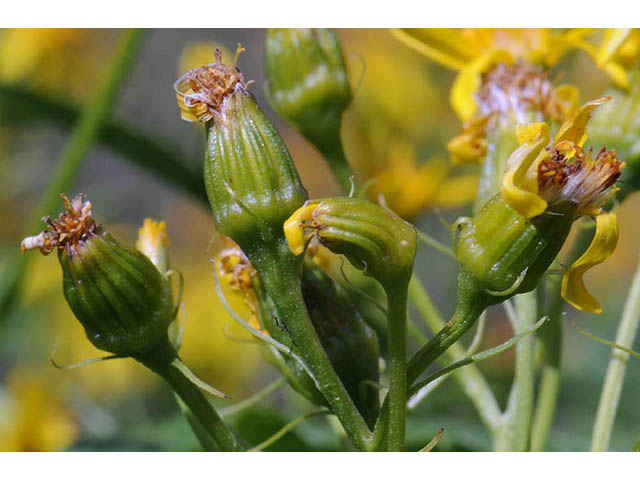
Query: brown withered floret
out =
(570, 174)
(73, 227)
(201, 92)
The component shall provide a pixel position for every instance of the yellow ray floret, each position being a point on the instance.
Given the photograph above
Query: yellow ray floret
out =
(294, 227)
(602, 246)
(518, 189)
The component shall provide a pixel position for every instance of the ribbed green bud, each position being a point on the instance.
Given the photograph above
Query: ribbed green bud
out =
(121, 299)
(506, 253)
(617, 125)
(250, 178)
(307, 80)
(118, 295)
(374, 240)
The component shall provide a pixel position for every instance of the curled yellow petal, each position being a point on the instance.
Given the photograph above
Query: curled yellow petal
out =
(294, 227)
(518, 191)
(530, 132)
(602, 246)
(575, 129)
(469, 80)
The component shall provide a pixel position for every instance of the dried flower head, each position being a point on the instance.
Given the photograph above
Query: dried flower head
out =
(73, 227)
(202, 91)
(583, 180)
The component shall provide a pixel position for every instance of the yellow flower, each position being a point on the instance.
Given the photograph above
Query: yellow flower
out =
(35, 419)
(559, 178)
(617, 53)
(474, 52)
(410, 187)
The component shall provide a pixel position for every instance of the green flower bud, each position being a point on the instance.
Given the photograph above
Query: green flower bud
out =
(250, 178)
(121, 299)
(307, 80)
(374, 240)
(505, 252)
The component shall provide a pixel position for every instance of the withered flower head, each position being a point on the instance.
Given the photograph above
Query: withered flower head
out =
(202, 92)
(73, 227)
(585, 181)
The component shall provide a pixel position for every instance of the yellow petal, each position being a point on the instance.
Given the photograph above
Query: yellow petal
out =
(443, 45)
(530, 132)
(518, 191)
(568, 95)
(612, 41)
(602, 246)
(618, 74)
(575, 129)
(294, 228)
(469, 80)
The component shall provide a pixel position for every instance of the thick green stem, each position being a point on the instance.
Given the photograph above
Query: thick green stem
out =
(513, 435)
(163, 361)
(73, 156)
(614, 378)
(397, 396)
(201, 433)
(470, 378)
(278, 272)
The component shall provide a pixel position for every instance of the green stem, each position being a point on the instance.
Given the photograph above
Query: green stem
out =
(278, 272)
(163, 361)
(470, 305)
(397, 335)
(470, 378)
(74, 154)
(513, 435)
(614, 378)
(206, 440)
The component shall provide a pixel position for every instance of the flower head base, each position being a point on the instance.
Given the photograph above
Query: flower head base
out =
(73, 227)
(202, 92)
(372, 238)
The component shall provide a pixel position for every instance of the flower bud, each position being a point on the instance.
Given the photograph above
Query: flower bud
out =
(374, 240)
(250, 178)
(307, 80)
(548, 184)
(121, 299)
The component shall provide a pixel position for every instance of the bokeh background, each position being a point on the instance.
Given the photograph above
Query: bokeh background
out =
(400, 116)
